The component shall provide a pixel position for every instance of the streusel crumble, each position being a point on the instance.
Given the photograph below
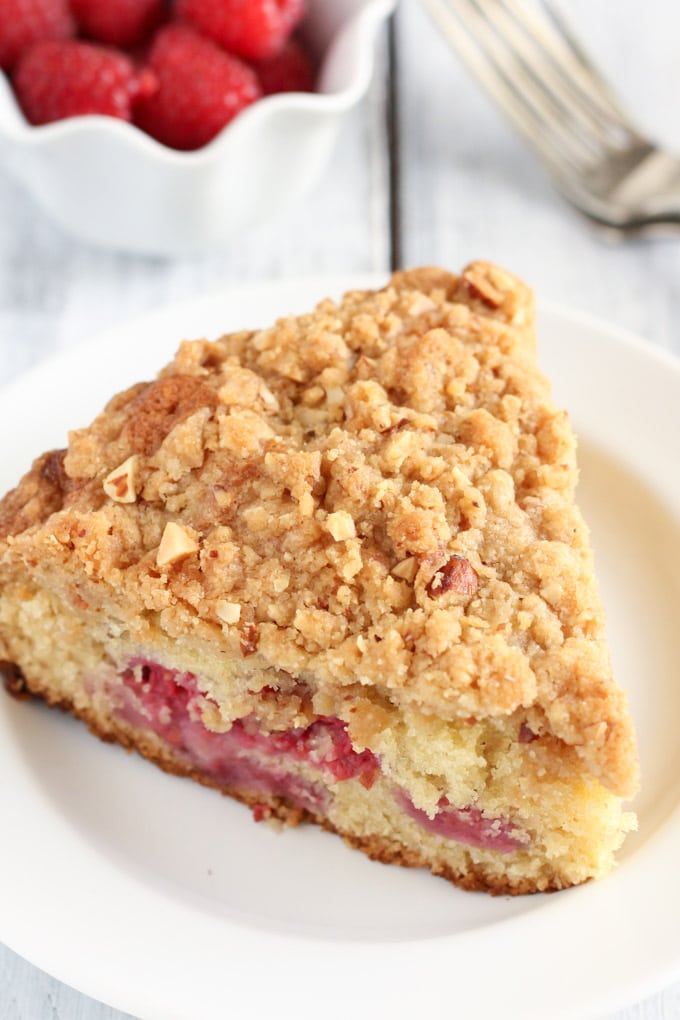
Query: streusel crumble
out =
(335, 569)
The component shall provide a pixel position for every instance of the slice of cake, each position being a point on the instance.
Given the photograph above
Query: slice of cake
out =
(334, 568)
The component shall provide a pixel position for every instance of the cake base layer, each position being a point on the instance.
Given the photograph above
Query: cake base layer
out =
(310, 793)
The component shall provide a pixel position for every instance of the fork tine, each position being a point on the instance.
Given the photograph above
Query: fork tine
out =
(594, 87)
(549, 40)
(538, 73)
(508, 23)
(510, 85)
(555, 70)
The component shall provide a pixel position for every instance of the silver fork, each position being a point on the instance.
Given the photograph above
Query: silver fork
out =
(538, 73)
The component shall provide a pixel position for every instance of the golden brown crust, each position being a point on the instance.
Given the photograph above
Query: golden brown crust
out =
(161, 406)
(329, 469)
(14, 681)
(473, 879)
(39, 494)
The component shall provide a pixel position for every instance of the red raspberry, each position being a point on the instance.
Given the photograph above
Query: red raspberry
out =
(256, 29)
(117, 22)
(291, 70)
(24, 22)
(201, 88)
(54, 80)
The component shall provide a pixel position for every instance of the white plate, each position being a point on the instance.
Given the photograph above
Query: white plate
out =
(158, 897)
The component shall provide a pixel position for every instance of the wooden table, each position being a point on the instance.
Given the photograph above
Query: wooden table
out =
(425, 172)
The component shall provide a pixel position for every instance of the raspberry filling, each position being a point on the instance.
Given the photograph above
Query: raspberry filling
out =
(246, 759)
(467, 825)
(325, 744)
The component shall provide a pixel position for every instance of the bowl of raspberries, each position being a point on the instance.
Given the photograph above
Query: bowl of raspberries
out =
(172, 126)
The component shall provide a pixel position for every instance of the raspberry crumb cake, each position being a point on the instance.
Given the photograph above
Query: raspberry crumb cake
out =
(334, 568)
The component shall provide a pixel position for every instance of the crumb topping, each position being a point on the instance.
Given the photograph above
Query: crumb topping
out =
(374, 496)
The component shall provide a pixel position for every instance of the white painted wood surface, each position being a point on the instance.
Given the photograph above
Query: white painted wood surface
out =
(469, 188)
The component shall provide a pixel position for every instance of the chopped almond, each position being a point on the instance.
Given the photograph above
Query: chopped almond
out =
(121, 483)
(176, 544)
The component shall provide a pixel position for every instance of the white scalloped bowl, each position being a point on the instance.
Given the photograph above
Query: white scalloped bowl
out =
(111, 184)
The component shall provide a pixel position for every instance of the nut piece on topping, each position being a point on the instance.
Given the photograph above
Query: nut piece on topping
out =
(457, 576)
(121, 483)
(340, 524)
(406, 569)
(176, 544)
(228, 612)
(419, 304)
(483, 288)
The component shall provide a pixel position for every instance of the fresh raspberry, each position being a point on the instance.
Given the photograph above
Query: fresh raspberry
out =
(54, 80)
(24, 22)
(256, 29)
(117, 22)
(201, 88)
(291, 70)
